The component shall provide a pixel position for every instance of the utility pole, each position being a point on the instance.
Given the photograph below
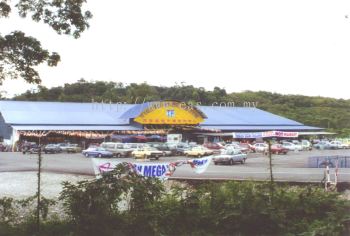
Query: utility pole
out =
(38, 188)
(270, 161)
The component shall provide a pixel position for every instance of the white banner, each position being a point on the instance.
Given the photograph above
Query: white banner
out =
(100, 165)
(200, 165)
(266, 134)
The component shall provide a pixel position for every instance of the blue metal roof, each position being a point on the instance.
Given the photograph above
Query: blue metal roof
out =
(135, 110)
(59, 113)
(242, 116)
(97, 114)
(76, 127)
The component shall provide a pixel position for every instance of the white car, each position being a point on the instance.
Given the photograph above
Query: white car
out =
(198, 151)
(338, 145)
(147, 153)
(230, 157)
(260, 147)
(306, 145)
(292, 146)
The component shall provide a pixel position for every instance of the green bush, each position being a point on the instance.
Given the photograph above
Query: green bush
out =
(122, 203)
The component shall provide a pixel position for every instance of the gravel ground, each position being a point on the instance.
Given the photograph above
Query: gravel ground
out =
(20, 185)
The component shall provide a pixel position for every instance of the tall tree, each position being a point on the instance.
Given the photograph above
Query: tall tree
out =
(20, 53)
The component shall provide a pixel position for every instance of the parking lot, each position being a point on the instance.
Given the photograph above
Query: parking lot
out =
(290, 167)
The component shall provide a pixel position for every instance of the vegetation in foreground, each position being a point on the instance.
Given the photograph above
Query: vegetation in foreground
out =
(122, 203)
(332, 114)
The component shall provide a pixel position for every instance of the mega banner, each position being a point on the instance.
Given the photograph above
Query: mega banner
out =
(266, 134)
(161, 170)
(155, 170)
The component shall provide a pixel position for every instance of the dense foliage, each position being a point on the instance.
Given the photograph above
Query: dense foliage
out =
(20, 53)
(122, 203)
(330, 113)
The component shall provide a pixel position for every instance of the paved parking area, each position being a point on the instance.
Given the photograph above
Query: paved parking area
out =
(290, 167)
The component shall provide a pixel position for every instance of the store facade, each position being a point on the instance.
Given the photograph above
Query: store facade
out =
(58, 121)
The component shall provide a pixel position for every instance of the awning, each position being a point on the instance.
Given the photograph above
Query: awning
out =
(247, 128)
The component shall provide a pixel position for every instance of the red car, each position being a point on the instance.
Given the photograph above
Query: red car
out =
(246, 147)
(277, 149)
(214, 146)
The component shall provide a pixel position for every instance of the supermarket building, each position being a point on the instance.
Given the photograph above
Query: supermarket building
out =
(27, 120)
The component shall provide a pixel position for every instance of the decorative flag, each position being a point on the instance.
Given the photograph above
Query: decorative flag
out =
(200, 165)
(100, 165)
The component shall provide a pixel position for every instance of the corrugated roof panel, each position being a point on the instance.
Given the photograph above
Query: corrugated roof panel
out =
(242, 116)
(59, 113)
(18, 112)
(71, 128)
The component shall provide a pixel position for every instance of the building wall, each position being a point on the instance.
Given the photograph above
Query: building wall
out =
(5, 129)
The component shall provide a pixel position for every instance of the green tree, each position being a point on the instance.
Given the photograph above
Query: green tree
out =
(20, 53)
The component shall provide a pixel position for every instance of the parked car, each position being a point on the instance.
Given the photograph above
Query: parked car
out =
(277, 149)
(179, 148)
(260, 147)
(118, 149)
(233, 146)
(73, 148)
(63, 146)
(52, 148)
(245, 147)
(198, 151)
(230, 157)
(214, 146)
(97, 152)
(306, 145)
(31, 148)
(166, 150)
(338, 145)
(147, 152)
(292, 146)
(322, 145)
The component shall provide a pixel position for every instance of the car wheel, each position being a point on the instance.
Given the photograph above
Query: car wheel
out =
(243, 161)
(99, 155)
(231, 162)
(87, 154)
(215, 163)
(119, 155)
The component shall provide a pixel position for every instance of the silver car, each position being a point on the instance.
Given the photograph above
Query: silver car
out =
(230, 157)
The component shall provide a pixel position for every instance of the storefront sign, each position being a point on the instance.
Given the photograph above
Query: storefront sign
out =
(170, 112)
(267, 134)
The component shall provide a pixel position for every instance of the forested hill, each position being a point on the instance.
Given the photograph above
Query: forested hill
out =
(330, 113)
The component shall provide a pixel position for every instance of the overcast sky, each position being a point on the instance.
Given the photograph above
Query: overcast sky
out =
(289, 47)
